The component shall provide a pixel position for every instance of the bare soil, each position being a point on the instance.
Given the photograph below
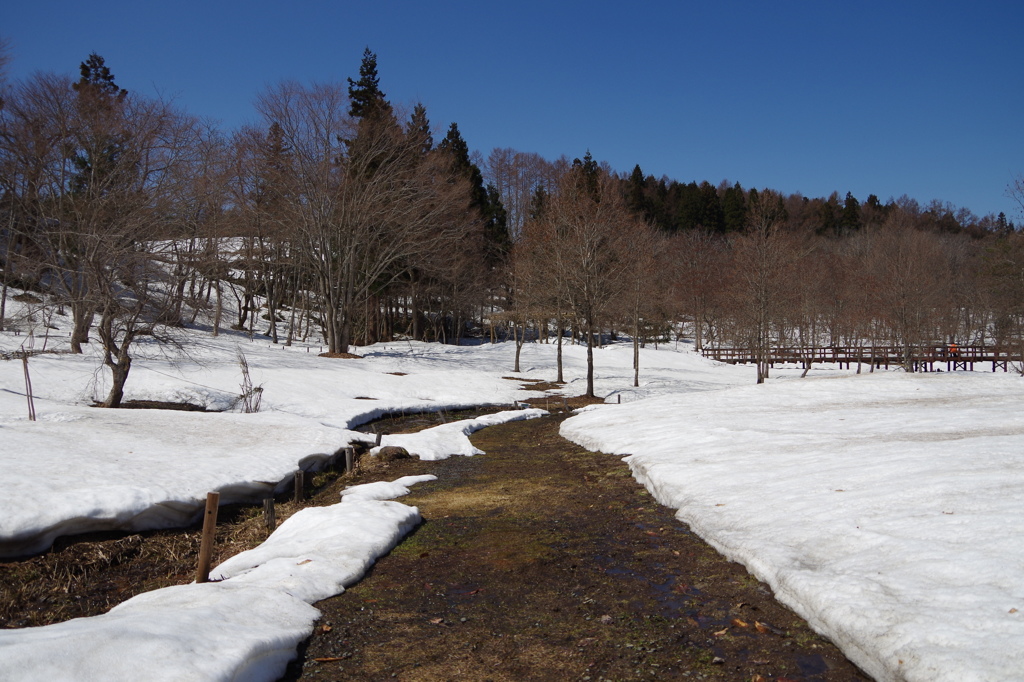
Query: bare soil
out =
(537, 561)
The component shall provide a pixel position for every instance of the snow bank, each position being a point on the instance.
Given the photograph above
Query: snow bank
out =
(441, 442)
(245, 627)
(886, 509)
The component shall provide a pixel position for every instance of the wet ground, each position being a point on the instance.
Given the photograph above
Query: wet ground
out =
(542, 561)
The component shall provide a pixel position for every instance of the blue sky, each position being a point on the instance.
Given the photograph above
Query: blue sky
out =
(890, 98)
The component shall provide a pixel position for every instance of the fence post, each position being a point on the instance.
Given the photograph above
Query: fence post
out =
(269, 514)
(209, 533)
(28, 389)
(350, 458)
(300, 484)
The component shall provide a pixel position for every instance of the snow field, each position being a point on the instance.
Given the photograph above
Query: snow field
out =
(886, 509)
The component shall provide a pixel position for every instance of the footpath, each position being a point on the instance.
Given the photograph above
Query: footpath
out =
(542, 561)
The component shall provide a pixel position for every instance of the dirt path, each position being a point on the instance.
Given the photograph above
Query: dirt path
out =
(542, 561)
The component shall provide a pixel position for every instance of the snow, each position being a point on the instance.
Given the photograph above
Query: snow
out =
(886, 508)
(245, 627)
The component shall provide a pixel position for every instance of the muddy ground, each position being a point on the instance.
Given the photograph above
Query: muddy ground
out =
(536, 561)
(542, 561)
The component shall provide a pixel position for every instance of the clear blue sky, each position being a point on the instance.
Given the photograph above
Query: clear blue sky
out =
(890, 98)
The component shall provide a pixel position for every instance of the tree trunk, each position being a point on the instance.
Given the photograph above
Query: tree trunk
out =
(82, 316)
(590, 361)
(561, 333)
(519, 342)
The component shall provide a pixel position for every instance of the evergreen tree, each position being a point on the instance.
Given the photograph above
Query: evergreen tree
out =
(828, 215)
(636, 198)
(538, 202)
(418, 130)
(496, 233)
(365, 96)
(101, 139)
(486, 201)
(734, 209)
(589, 175)
(711, 215)
(688, 207)
(850, 217)
(96, 79)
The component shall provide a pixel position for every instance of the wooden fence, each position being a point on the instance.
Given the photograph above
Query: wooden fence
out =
(923, 359)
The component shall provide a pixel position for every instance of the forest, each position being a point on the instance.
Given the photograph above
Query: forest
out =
(339, 216)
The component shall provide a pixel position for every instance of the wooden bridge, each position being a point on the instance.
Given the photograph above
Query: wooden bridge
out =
(925, 359)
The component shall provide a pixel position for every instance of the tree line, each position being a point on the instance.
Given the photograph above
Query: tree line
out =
(338, 217)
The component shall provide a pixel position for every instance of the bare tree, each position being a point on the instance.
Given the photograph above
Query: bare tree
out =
(763, 260)
(584, 224)
(911, 284)
(366, 199)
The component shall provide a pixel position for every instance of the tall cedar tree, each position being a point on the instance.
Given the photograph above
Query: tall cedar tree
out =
(365, 96)
(98, 99)
(485, 200)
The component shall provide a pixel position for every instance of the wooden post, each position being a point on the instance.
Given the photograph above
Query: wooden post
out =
(619, 396)
(270, 514)
(209, 533)
(300, 484)
(28, 389)
(350, 459)
(379, 436)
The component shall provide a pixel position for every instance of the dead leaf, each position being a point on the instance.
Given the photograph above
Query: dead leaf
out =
(471, 592)
(329, 659)
(721, 632)
(765, 628)
(1013, 610)
(325, 628)
(437, 621)
(304, 561)
(739, 623)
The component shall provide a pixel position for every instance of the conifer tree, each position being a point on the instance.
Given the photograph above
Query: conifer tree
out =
(849, 219)
(485, 200)
(365, 96)
(99, 98)
(734, 209)
(418, 129)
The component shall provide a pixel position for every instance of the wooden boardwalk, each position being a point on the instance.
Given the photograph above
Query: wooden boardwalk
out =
(926, 359)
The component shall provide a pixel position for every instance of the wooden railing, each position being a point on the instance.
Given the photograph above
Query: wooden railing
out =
(923, 359)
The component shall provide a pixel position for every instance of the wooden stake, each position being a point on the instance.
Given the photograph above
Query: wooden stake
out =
(300, 484)
(28, 390)
(379, 436)
(269, 514)
(209, 533)
(350, 459)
